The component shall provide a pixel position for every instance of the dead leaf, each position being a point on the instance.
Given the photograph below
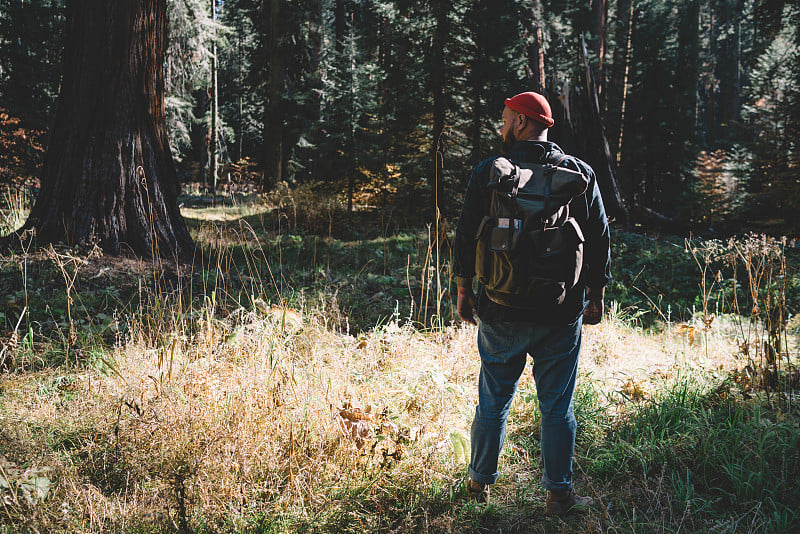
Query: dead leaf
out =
(356, 423)
(633, 390)
(689, 330)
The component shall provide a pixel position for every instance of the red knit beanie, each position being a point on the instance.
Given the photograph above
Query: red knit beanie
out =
(532, 105)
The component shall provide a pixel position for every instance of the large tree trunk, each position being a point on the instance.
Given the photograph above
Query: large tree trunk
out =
(108, 175)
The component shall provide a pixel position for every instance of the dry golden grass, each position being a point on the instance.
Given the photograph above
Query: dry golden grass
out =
(272, 419)
(634, 364)
(272, 412)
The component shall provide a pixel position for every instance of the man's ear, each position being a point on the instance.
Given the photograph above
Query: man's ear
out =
(523, 121)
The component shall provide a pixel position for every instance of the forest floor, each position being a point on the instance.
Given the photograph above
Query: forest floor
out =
(313, 378)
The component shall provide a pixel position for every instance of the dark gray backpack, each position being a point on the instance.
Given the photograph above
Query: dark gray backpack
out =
(530, 250)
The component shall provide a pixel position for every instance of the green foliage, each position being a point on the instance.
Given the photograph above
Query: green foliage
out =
(657, 277)
(30, 49)
(187, 68)
(773, 116)
(691, 431)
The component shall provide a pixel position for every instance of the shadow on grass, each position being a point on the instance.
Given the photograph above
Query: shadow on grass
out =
(697, 457)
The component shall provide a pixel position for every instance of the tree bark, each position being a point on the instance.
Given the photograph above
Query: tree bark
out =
(385, 44)
(535, 66)
(438, 83)
(212, 168)
(597, 150)
(108, 176)
(476, 79)
(599, 39)
(728, 68)
(618, 93)
(201, 134)
(688, 49)
(273, 113)
(240, 84)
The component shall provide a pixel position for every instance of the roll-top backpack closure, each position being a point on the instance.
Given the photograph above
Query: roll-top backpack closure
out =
(530, 251)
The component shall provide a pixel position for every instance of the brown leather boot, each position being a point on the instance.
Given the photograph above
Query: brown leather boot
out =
(564, 502)
(477, 492)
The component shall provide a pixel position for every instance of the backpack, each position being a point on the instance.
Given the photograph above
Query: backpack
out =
(529, 249)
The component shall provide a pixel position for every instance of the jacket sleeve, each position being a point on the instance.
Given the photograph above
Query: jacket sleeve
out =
(597, 249)
(473, 209)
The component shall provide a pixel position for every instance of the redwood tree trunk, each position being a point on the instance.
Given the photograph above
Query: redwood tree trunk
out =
(108, 175)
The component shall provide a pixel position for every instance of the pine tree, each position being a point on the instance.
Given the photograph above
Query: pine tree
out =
(30, 57)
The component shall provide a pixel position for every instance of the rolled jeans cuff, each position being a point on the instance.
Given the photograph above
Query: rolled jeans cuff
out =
(555, 486)
(483, 479)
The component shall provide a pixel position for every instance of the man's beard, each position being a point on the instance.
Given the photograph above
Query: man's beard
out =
(508, 141)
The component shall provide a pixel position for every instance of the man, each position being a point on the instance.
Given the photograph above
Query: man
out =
(550, 333)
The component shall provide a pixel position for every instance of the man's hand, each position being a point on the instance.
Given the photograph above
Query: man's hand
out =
(466, 304)
(594, 310)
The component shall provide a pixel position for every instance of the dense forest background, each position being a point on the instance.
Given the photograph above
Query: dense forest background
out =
(387, 102)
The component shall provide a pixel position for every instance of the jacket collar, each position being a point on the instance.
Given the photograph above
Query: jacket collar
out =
(534, 151)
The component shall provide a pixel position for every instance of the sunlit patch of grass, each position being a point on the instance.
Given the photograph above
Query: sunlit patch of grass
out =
(15, 204)
(223, 212)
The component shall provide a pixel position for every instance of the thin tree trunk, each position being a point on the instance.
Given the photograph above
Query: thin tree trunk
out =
(315, 78)
(241, 97)
(438, 83)
(535, 67)
(476, 83)
(108, 175)
(201, 133)
(212, 168)
(599, 8)
(476, 120)
(688, 46)
(618, 93)
(273, 119)
(339, 24)
(385, 44)
(538, 53)
(728, 71)
(342, 117)
(598, 147)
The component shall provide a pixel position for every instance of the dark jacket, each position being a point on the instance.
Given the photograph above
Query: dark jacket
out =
(588, 211)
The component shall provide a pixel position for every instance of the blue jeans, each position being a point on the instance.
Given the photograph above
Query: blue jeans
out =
(504, 348)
